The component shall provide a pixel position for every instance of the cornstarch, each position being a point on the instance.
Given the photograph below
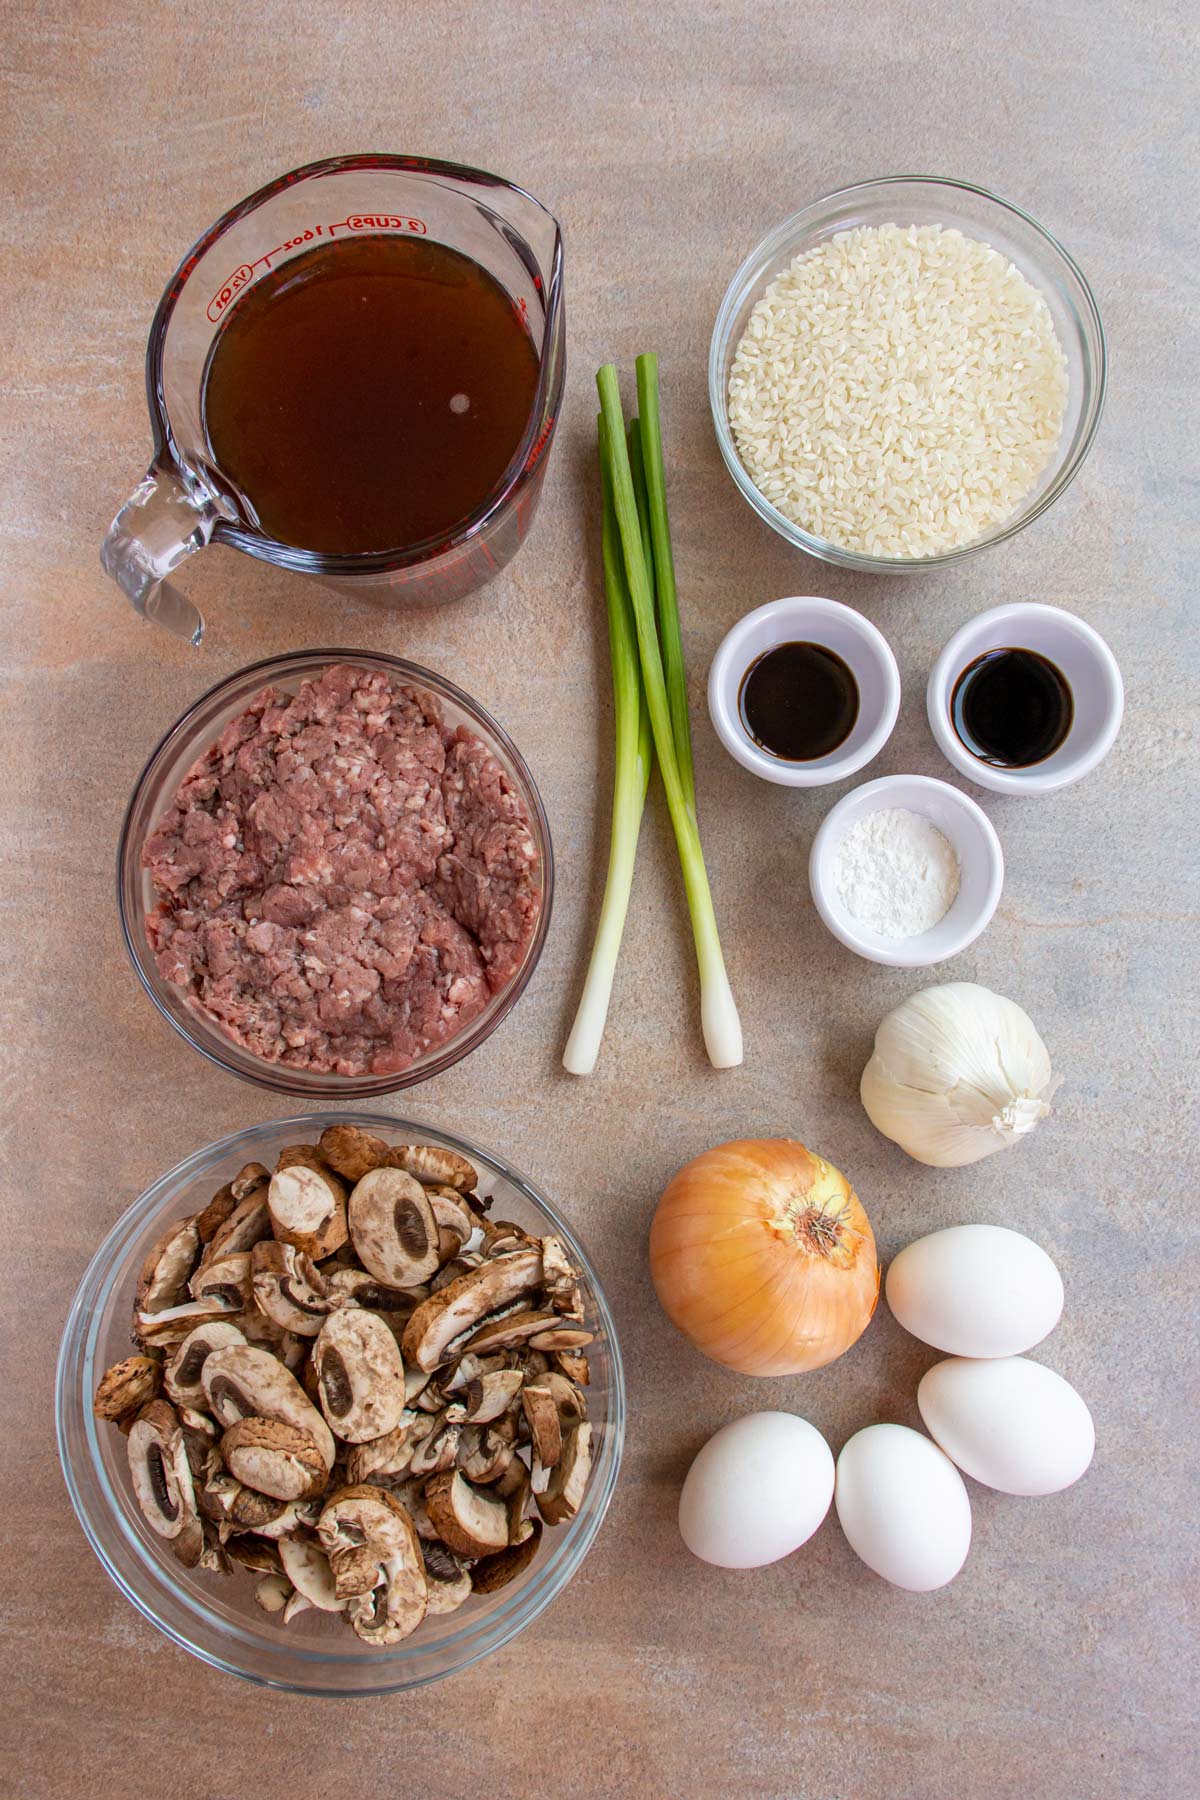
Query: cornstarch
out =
(895, 873)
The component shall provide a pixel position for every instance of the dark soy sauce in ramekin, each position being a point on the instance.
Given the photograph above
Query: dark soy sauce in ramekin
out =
(798, 701)
(1012, 708)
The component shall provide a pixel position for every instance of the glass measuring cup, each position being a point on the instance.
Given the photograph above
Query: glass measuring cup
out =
(186, 501)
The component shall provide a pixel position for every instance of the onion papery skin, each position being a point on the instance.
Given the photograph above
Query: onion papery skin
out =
(762, 1256)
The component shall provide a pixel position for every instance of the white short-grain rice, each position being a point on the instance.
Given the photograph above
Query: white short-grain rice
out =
(898, 390)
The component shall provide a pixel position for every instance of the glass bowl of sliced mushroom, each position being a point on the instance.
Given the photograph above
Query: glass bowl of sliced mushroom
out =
(340, 1403)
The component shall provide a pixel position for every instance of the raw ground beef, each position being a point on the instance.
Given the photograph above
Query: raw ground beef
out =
(342, 881)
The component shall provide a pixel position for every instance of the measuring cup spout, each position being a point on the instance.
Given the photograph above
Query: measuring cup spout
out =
(158, 526)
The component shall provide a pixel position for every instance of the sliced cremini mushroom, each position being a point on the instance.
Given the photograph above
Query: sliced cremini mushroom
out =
(297, 1518)
(559, 1498)
(439, 1447)
(251, 1552)
(351, 1152)
(575, 1367)
(275, 1458)
(308, 1209)
(362, 1524)
(484, 1454)
(545, 1427)
(307, 1568)
(164, 1274)
(485, 1397)
(471, 1522)
(524, 1326)
(457, 1309)
(447, 1579)
(376, 1296)
(454, 1221)
(226, 1200)
(290, 1290)
(170, 1326)
(393, 1227)
(360, 1376)
(246, 1225)
(501, 1237)
(491, 1573)
(306, 1155)
(431, 1164)
(162, 1476)
(450, 1271)
(273, 1591)
(386, 1455)
(226, 1279)
(561, 1336)
(244, 1382)
(125, 1388)
(212, 1556)
(209, 1219)
(181, 1375)
(411, 1495)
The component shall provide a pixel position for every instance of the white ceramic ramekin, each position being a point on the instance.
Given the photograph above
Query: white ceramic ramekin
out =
(1083, 657)
(980, 863)
(804, 618)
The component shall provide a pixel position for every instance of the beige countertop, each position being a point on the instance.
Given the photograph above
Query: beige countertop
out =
(667, 139)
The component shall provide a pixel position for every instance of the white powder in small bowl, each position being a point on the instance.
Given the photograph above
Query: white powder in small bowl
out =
(895, 873)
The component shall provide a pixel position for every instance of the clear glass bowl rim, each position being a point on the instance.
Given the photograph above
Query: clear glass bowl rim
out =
(77, 1371)
(751, 270)
(277, 1077)
(529, 454)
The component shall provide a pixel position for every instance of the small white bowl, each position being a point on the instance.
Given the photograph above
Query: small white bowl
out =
(1073, 647)
(804, 618)
(980, 863)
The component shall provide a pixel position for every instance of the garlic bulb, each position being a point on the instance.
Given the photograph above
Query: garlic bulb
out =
(957, 1074)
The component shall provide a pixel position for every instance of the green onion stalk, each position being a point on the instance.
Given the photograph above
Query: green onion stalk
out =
(636, 515)
(634, 760)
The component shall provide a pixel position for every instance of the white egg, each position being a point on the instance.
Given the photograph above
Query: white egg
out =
(903, 1507)
(1011, 1423)
(976, 1290)
(757, 1491)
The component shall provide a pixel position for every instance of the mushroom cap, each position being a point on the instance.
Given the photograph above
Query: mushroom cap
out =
(127, 1387)
(290, 1290)
(560, 1498)
(308, 1209)
(307, 1568)
(166, 1267)
(351, 1151)
(362, 1522)
(274, 1458)
(393, 1228)
(459, 1308)
(181, 1376)
(431, 1164)
(162, 1477)
(473, 1523)
(360, 1375)
(246, 1224)
(244, 1382)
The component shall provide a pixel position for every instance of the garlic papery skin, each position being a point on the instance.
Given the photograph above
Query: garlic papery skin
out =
(957, 1073)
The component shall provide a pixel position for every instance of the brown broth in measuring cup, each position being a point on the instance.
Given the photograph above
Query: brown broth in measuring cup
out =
(369, 394)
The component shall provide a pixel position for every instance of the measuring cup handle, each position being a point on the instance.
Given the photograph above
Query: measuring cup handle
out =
(157, 527)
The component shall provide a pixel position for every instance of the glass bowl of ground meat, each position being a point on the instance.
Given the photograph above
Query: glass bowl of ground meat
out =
(335, 874)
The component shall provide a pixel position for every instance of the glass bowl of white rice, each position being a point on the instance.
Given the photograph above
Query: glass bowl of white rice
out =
(905, 373)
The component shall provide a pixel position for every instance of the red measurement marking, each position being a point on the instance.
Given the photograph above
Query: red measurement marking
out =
(540, 444)
(354, 222)
(379, 222)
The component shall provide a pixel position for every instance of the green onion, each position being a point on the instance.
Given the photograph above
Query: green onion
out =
(718, 1014)
(634, 757)
(651, 458)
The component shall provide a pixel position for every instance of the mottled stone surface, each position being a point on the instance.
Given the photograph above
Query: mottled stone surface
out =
(668, 139)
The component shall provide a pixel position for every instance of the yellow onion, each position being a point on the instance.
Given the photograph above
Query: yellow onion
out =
(762, 1256)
